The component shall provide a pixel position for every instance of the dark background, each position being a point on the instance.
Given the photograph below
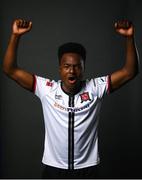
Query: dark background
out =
(90, 22)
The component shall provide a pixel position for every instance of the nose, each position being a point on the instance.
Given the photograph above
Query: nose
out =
(71, 69)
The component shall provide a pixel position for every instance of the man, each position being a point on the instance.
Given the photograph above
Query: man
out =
(71, 105)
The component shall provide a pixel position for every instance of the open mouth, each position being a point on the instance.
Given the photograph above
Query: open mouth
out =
(72, 80)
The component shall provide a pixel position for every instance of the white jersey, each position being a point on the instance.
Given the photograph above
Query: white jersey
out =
(71, 122)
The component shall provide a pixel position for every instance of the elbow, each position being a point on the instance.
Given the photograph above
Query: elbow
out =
(132, 75)
(135, 72)
(7, 71)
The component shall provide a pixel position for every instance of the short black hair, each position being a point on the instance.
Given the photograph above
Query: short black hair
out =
(72, 47)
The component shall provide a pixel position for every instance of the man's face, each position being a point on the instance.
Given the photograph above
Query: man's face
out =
(71, 71)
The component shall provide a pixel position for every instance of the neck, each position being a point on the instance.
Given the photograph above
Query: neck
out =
(71, 91)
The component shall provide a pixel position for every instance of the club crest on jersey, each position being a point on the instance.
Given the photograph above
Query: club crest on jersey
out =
(85, 97)
(49, 84)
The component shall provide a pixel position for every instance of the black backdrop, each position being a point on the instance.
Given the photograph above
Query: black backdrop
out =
(55, 22)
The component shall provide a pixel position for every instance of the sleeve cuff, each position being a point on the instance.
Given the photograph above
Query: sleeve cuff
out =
(109, 84)
(34, 84)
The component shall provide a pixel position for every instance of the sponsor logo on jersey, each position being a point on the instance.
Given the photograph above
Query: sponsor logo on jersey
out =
(72, 109)
(59, 97)
(49, 84)
(85, 97)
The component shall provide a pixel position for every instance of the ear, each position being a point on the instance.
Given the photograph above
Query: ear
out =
(83, 65)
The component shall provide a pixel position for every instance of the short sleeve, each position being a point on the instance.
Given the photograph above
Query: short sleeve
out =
(102, 86)
(41, 86)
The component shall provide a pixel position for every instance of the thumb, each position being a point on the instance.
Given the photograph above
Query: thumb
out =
(29, 26)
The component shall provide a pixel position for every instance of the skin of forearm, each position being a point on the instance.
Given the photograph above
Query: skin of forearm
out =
(131, 64)
(10, 59)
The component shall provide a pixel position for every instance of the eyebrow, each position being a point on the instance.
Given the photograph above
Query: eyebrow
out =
(72, 64)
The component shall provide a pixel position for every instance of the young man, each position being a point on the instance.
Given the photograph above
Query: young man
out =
(71, 105)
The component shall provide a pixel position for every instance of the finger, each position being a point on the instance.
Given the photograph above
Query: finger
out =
(24, 23)
(21, 23)
(124, 24)
(18, 22)
(29, 25)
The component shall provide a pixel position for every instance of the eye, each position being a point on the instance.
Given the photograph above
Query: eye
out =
(66, 66)
(78, 66)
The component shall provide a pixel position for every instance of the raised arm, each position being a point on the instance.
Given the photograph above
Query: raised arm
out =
(130, 68)
(10, 66)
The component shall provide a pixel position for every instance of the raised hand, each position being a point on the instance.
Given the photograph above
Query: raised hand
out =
(124, 27)
(21, 26)
(10, 66)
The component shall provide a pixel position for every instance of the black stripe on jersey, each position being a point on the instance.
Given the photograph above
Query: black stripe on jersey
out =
(71, 135)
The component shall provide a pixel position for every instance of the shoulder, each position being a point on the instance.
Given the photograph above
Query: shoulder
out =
(96, 81)
(101, 80)
(44, 83)
(99, 85)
